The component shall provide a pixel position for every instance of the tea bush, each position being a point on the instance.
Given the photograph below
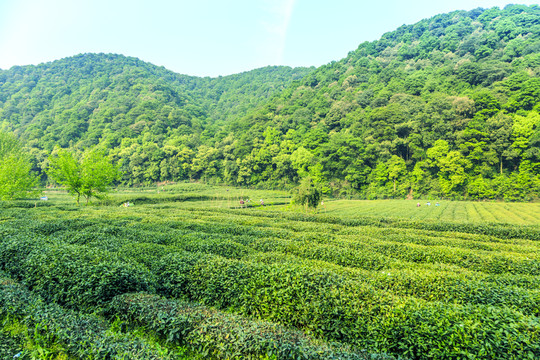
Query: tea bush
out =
(82, 336)
(420, 290)
(222, 335)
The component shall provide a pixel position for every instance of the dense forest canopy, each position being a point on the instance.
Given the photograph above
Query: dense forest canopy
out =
(448, 107)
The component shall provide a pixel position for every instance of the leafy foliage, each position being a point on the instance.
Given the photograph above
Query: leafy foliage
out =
(370, 125)
(221, 335)
(16, 177)
(56, 331)
(89, 176)
(308, 194)
(407, 288)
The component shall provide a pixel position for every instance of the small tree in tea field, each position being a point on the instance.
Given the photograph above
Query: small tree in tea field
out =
(308, 194)
(88, 175)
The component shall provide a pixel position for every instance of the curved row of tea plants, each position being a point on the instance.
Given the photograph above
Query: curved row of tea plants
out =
(464, 288)
(224, 335)
(500, 230)
(87, 278)
(55, 331)
(371, 286)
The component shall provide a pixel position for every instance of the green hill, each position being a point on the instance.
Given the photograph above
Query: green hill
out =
(444, 107)
(447, 106)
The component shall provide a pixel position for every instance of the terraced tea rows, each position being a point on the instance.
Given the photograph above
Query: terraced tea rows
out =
(455, 211)
(419, 290)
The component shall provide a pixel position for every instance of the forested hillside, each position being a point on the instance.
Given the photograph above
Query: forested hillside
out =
(445, 107)
(113, 100)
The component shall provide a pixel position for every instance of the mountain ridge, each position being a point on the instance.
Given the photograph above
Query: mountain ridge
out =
(447, 106)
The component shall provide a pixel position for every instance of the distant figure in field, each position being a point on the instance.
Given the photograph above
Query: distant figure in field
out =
(437, 204)
(418, 204)
(242, 202)
(262, 202)
(428, 203)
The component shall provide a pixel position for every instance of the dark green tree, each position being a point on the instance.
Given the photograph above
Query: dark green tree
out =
(308, 194)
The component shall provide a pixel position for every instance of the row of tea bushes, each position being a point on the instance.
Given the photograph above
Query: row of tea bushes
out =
(117, 200)
(87, 278)
(81, 336)
(503, 231)
(371, 253)
(77, 276)
(10, 347)
(119, 238)
(333, 307)
(130, 242)
(521, 293)
(222, 335)
(320, 297)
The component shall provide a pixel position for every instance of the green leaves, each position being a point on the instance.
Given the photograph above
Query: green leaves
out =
(16, 177)
(89, 176)
(308, 194)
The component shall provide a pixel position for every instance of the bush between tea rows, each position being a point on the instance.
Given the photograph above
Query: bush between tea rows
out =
(83, 336)
(335, 308)
(222, 335)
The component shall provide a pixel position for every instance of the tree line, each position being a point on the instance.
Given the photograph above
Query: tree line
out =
(448, 107)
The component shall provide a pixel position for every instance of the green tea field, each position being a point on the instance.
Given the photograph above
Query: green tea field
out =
(188, 274)
(454, 211)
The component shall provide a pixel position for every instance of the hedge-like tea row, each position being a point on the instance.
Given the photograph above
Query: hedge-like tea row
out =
(222, 335)
(76, 276)
(87, 278)
(9, 347)
(24, 204)
(514, 291)
(152, 199)
(503, 231)
(389, 305)
(83, 336)
(336, 308)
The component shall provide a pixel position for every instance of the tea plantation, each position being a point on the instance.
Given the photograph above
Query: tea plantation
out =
(185, 275)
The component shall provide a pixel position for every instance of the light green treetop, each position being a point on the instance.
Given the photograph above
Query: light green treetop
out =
(16, 177)
(88, 175)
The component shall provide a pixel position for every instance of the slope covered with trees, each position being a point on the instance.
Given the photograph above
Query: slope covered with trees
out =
(445, 107)
(112, 100)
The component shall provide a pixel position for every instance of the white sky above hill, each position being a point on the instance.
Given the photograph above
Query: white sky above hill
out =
(207, 37)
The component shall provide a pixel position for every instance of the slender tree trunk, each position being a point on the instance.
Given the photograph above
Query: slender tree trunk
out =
(501, 164)
(394, 185)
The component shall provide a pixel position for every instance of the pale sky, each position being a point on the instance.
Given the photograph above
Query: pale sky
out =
(207, 37)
